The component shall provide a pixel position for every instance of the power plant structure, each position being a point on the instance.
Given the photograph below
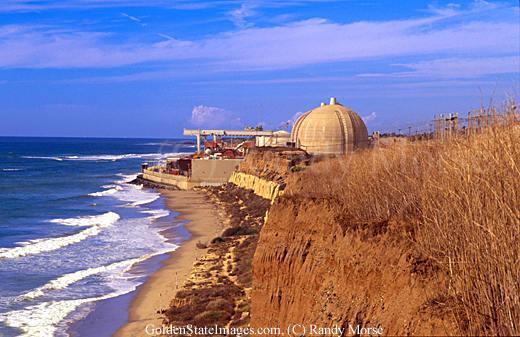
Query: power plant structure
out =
(330, 129)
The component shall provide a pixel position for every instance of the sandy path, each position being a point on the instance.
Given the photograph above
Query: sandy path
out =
(157, 292)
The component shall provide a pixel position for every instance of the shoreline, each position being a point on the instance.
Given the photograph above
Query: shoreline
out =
(203, 223)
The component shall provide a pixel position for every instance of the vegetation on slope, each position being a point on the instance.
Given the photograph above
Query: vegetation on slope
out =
(460, 200)
(216, 292)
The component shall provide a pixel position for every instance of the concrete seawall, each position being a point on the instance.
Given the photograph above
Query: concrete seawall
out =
(204, 173)
(181, 182)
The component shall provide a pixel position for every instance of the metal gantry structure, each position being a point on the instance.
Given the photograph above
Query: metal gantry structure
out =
(217, 134)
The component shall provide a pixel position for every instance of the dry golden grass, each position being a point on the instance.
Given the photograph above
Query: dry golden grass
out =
(462, 197)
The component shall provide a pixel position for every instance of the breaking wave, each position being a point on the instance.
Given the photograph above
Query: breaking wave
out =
(109, 191)
(157, 213)
(126, 178)
(145, 200)
(43, 319)
(64, 281)
(102, 220)
(43, 157)
(37, 246)
(135, 195)
(110, 157)
(11, 169)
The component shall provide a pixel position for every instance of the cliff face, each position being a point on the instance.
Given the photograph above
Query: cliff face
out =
(265, 170)
(310, 269)
(273, 164)
(261, 187)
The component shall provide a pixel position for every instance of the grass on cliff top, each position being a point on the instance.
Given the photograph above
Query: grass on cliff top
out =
(462, 194)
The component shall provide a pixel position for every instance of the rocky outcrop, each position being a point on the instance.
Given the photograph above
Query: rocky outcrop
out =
(261, 187)
(265, 169)
(310, 268)
(274, 164)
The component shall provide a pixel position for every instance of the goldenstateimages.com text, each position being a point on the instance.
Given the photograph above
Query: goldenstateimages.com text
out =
(291, 330)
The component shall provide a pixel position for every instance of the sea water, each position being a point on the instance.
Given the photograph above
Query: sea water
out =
(72, 230)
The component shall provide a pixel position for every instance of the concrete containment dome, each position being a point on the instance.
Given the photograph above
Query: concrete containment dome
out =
(330, 129)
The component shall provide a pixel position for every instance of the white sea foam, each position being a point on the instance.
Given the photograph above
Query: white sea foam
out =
(37, 246)
(64, 281)
(135, 195)
(109, 191)
(126, 178)
(157, 213)
(102, 220)
(11, 169)
(156, 144)
(46, 245)
(145, 201)
(167, 144)
(43, 319)
(110, 157)
(43, 157)
(104, 157)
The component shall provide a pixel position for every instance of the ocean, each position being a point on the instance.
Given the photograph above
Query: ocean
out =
(73, 233)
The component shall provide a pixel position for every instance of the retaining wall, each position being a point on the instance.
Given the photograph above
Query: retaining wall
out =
(181, 182)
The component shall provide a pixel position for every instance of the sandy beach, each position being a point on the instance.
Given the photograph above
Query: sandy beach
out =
(204, 224)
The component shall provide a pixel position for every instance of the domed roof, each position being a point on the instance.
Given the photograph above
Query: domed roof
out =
(330, 129)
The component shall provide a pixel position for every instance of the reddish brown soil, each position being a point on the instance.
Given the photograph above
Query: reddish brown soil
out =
(274, 164)
(309, 268)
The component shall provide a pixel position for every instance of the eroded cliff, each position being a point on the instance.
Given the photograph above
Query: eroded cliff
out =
(417, 238)
(310, 268)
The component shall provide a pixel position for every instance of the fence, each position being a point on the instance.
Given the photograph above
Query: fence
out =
(451, 124)
(444, 126)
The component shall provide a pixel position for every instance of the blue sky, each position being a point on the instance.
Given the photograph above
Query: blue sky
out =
(148, 68)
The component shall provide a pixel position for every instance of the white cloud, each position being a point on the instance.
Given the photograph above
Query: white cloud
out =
(288, 124)
(212, 117)
(42, 5)
(292, 45)
(202, 114)
(456, 68)
(135, 19)
(466, 67)
(166, 36)
(370, 117)
(448, 10)
(240, 15)
(453, 9)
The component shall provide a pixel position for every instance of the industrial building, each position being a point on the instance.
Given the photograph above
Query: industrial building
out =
(326, 130)
(330, 129)
(219, 152)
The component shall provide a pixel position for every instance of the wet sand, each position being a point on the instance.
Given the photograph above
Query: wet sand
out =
(156, 293)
